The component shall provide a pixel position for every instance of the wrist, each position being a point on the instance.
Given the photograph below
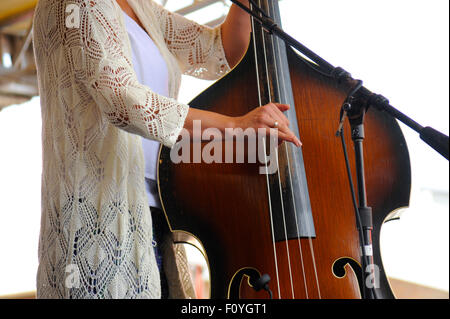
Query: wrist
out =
(230, 122)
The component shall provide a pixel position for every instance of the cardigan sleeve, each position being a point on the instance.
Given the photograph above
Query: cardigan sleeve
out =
(110, 79)
(198, 48)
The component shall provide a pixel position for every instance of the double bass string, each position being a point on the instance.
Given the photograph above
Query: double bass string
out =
(279, 180)
(267, 171)
(270, 93)
(280, 87)
(270, 97)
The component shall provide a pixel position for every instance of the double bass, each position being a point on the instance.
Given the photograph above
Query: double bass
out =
(291, 233)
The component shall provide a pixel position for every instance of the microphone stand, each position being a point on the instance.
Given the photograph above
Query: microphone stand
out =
(435, 139)
(354, 108)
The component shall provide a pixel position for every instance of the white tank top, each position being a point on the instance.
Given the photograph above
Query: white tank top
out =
(151, 70)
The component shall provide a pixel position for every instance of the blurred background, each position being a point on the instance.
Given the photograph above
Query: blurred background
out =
(399, 48)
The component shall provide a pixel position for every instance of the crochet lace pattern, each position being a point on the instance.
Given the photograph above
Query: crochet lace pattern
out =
(96, 228)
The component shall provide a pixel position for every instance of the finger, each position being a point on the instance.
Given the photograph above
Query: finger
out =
(274, 115)
(269, 121)
(282, 107)
(277, 115)
(286, 130)
(276, 111)
(285, 136)
(289, 138)
(292, 137)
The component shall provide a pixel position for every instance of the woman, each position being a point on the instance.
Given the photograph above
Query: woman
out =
(96, 228)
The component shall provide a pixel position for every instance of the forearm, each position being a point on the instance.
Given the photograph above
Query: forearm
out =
(208, 120)
(236, 33)
(265, 117)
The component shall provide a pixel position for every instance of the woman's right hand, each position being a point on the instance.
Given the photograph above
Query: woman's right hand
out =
(269, 116)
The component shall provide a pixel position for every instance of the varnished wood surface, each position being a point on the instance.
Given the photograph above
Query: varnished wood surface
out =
(226, 205)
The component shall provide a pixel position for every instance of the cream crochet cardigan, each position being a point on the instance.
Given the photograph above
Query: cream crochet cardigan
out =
(96, 228)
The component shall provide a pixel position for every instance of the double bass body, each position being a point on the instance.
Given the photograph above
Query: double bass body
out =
(231, 208)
